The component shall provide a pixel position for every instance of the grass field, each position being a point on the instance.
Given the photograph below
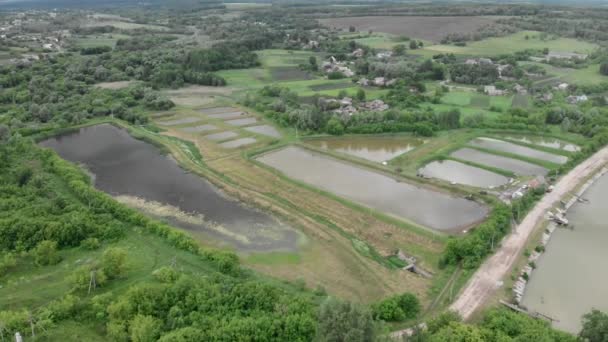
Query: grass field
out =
(99, 40)
(473, 103)
(588, 75)
(417, 27)
(510, 44)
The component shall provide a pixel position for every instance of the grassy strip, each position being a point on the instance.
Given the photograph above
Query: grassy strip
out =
(368, 251)
(543, 163)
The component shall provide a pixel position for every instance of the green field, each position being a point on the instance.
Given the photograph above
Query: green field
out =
(512, 43)
(99, 40)
(473, 103)
(588, 75)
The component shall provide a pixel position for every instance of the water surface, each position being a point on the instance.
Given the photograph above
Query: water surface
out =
(504, 146)
(509, 164)
(571, 275)
(456, 172)
(545, 142)
(378, 149)
(238, 142)
(180, 121)
(264, 130)
(242, 122)
(126, 167)
(201, 128)
(426, 207)
(221, 135)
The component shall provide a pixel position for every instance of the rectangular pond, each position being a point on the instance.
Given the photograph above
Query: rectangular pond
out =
(227, 115)
(509, 164)
(136, 173)
(238, 143)
(217, 110)
(504, 146)
(242, 122)
(264, 130)
(570, 278)
(456, 172)
(544, 141)
(377, 149)
(221, 136)
(180, 121)
(197, 129)
(420, 205)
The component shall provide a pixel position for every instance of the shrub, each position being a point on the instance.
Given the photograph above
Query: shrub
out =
(397, 308)
(45, 253)
(90, 244)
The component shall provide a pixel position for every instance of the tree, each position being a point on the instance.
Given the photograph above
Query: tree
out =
(351, 28)
(335, 127)
(413, 44)
(113, 262)
(344, 321)
(604, 69)
(399, 50)
(312, 60)
(595, 327)
(144, 329)
(360, 94)
(5, 133)
(46, 253)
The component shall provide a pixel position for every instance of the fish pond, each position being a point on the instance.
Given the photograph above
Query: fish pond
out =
(509, 164)
(425, 207)
(570, 278)
(544, 141)
(456, 172)
(508, 147)
(377, 149)
(136, 173)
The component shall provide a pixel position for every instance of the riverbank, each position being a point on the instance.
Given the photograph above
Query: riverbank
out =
(573, 261)
(489, 277)
(519, 287)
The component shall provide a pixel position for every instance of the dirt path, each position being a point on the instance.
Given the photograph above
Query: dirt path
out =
(486, 280)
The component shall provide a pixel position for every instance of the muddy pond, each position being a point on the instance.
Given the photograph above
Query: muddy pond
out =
(377, 149)
(570, 278)
(460, 173)
(425, 207)
(135, 173)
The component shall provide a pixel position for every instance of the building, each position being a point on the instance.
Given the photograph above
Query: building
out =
(492, 91)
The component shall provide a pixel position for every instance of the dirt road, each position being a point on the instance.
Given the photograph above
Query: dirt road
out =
(487, 278)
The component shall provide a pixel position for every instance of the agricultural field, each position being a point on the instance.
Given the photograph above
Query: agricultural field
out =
(586, 75)
(418, 27)
(511, 43)
(98, 40)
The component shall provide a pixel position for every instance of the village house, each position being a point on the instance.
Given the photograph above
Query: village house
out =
(375, 105)
(476, 61)
(562, 86)
(334, 66)
(493, 91)
(358, 53)
(521, 90)
(573, 99)
(384, 54)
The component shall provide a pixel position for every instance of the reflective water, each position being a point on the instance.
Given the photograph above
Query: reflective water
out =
(504, 146)
(571, 275)
(378, 149)
(135, 170)
(509, 164)
(453, 171)
(426, 207)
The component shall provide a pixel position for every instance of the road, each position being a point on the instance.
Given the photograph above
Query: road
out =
(486, 280)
